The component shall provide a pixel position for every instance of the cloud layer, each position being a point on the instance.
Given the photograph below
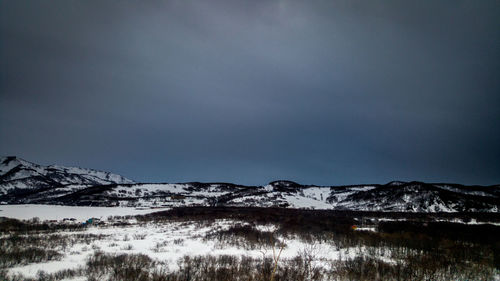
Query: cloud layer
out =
(324, 92)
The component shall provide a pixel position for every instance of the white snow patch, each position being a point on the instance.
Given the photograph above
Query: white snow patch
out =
(56, 212)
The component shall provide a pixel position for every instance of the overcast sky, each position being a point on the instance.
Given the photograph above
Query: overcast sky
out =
(320, 92)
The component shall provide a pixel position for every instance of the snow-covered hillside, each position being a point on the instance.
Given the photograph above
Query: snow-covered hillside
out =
(22, 182)
(18, 175)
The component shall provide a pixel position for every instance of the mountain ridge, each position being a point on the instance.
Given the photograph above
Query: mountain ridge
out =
(23, 182)
(17, 173)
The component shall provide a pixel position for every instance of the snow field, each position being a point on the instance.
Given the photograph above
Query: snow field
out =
(55, 212)
(170, 241)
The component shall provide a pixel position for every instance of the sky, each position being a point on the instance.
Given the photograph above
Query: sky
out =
(249, 91)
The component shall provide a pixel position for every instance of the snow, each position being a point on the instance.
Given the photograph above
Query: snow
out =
(171, 241)
(471, 222)
(168, 241)
(305, 202)
(56, 212)
(31, 270)
(180, 189)
(413, 198)
(77, 278)
(317, 193)
(69, 175)
(465, 191)
(341, 196)
(269, 188)
(372, 229)
(362, 188)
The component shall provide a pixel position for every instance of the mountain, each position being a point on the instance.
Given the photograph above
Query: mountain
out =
(20, 177)
(22, 182)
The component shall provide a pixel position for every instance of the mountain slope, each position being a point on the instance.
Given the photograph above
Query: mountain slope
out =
(22, 182)
(21, 176)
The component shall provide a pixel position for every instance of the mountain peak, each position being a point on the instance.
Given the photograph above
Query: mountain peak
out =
(6, 160)
(23, 182)
(396, 183)
(283, 183)
(17, 173)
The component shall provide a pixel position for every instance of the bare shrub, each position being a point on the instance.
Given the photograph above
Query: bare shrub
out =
(179, 241)
(20, 256)
(244, 236)
(119, 267)
(127, 247)
(138, 236)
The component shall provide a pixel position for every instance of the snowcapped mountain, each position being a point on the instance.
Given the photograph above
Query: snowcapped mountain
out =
(22, 182)
(20, 176)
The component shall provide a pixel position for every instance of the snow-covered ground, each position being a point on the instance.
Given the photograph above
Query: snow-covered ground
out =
(170, 241)
(56, 212)
(167, 241)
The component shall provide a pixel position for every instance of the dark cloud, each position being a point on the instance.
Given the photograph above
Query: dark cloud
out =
(325, 92)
